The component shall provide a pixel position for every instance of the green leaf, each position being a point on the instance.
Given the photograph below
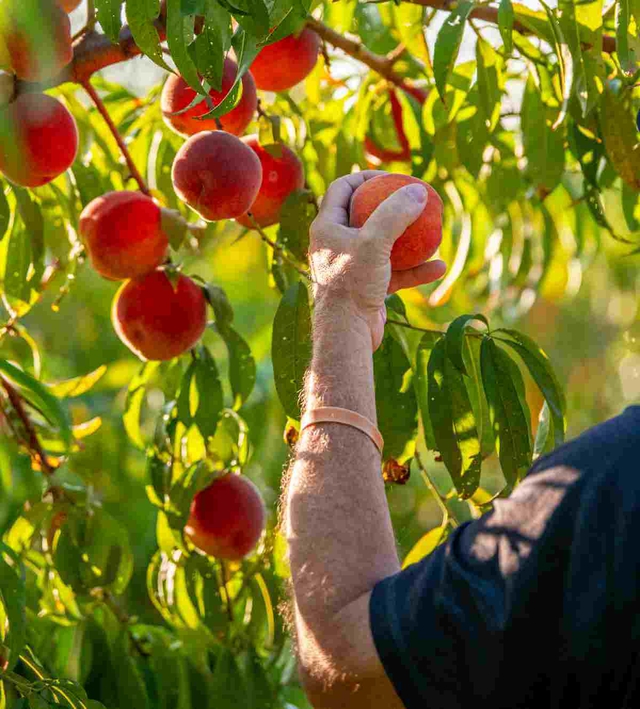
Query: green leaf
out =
(565, 63)
(228, 683)
(544, 147)
(140, 16)
(490, 83)
(209, 393)
(508, 416)
(92, 550)
(15, 281)
(426, 545)
(453, 421)
(126, 674)
(242, 365)
(78, 385)
(291, 347)
(179, 35)
(5, 212)
(619, 134)
(219, 301)
(542, 373)
(421, 383)
(448, 44)
(545, 436)
(296, 216)
(396, 401)
(629, 60)
(109, 14)
(212, 43)
(505, 24)
(38, 396)
(473, 382)
(135, 398)
(12, 603)
(455, 338)
(588, 151)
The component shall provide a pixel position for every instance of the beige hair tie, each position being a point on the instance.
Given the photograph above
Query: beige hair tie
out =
(334, 414)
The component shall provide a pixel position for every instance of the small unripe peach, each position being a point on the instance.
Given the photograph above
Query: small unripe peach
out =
(38, 140)
(285, 63)
(217, 175)
(122, 232)
(37, 37)
(421, 240)
(227, 518)
(158, 320)
(282, 174)
(177, 95)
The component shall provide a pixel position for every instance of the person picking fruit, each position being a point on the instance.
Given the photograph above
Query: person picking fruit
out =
(533, 605)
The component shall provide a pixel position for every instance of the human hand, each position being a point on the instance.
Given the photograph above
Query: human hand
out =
(351, 267)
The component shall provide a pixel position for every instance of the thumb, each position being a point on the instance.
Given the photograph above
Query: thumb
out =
(396, 213)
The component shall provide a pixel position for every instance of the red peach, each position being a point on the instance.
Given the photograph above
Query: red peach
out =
(39, 140)
(123, 235)
(285, 63)
(227, 518)
(281, 175)
(177, 94)
(421, 240)
(217, 175)
(37, 35)
(157, 320)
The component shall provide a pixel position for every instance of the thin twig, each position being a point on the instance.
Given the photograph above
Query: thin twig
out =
(35, 449)
(123, 618)
(277, 248)
(225, 583)
(102, 110)
(442, 502)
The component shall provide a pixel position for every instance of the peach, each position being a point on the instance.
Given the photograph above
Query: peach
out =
(217, 175)
(37, 36)
(227, 518)
(285, 63)
(177, 94)
(158, 320)
(39, 139)
(281, 175)
(421, 240)
(122, 232)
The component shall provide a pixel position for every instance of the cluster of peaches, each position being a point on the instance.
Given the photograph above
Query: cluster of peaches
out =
(158, 313)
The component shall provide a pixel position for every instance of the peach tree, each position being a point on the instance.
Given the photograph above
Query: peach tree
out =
(523, 120)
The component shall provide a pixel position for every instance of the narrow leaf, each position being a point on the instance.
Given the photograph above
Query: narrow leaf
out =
(425, 545)
(448, 44)
(109, 17)
(421, 383)
(505, 24)
(242, 365)
(455, 338)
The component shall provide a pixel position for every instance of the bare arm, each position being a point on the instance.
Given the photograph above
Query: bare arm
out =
(336, 517)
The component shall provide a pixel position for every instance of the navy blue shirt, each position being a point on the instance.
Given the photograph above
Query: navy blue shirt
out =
(537, 603)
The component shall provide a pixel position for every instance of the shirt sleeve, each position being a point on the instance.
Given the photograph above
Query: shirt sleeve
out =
(429, 621)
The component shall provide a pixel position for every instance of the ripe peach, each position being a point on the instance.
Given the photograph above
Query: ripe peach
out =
(217, 175)
(281, 176)
(227, 518)
(38, 140)
(386, 154)
(421, 240)
(177, 94)
(122, 232)
(157, 320)
(285, 63)
(37, 35)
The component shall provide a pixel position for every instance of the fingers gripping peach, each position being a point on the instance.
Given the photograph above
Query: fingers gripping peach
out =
(420, 240)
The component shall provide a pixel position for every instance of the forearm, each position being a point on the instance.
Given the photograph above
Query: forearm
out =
(337, 522)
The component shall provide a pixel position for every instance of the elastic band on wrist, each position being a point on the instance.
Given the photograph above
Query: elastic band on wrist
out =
(334, 414)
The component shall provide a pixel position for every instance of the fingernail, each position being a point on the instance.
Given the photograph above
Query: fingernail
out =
(417, 192)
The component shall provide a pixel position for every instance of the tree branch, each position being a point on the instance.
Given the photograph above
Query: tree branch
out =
(490, 14)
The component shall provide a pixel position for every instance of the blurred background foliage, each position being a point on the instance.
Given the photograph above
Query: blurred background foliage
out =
(537, 259)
